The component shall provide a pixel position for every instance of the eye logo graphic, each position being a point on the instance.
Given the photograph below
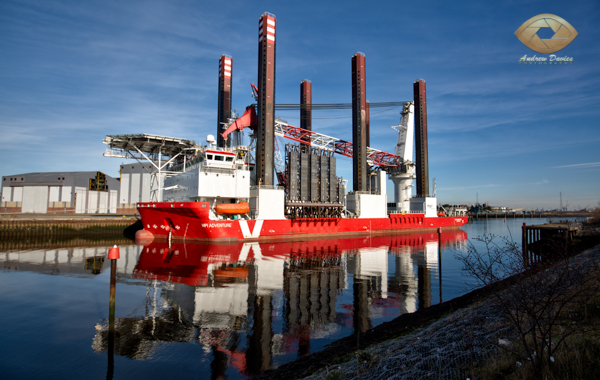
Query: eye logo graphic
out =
(564, 33)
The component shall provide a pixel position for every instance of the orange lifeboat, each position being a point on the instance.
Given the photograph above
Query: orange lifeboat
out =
(231, 272)
(441, 214)
(232, 208)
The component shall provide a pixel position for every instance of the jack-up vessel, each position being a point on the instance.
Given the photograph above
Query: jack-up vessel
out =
(226, 191)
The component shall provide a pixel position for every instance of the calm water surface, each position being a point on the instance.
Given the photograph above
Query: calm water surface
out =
(209, 311)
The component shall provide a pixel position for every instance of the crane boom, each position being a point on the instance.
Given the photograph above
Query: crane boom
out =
(248, 119)
(406, 132)
(375, 157)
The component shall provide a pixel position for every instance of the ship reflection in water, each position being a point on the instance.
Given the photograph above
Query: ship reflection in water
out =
(255, 306)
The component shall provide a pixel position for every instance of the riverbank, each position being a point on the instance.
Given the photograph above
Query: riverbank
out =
(442, 341)
(558, 215)
(34, 226)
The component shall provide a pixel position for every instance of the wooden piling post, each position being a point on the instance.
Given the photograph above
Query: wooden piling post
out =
(524, 243)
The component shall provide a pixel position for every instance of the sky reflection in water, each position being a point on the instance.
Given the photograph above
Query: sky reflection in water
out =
(204, 310)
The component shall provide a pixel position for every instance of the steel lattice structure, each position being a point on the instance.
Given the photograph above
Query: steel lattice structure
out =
(375, 157)
(159, 151)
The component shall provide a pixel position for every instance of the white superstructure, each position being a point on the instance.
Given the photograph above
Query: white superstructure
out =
(213, 174)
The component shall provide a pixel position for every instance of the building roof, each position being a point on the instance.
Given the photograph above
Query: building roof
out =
(56, 174)
(56, 179)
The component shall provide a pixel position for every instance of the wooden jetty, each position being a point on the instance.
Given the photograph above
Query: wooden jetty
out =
(546, 241)
(532, 214)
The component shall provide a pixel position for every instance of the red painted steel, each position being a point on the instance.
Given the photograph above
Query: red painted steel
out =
(190, 220)
(224, 106)
(421, 154)
(368, 124)
(359, 120)
(221, 152)
(342, 147)
(301, 135)
(305, 105)
(265, 133)
(248, 119)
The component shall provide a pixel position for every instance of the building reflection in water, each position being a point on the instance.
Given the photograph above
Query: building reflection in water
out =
(251, 304)
(70, 261)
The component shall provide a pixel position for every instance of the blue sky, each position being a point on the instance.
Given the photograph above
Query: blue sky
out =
(72, 72)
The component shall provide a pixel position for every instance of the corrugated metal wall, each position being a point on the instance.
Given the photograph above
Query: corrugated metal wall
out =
(35, 199)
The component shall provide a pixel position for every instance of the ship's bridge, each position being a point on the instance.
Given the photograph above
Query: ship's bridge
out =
(220, 159)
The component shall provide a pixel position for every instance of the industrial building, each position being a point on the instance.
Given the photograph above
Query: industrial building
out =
(60, 192)
(77, 192)
(134, 186)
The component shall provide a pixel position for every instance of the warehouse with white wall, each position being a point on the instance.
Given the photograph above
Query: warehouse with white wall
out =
(60, 192)
(134, 186)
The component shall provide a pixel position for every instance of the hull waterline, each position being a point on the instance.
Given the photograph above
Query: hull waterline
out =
(191, 221)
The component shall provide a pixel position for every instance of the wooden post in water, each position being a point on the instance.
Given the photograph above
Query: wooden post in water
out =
(524, 243)
(440, 261)
(113, 255)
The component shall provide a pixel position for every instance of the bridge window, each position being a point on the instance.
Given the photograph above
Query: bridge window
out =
(219, 158)
(229, 159)
(209, 156)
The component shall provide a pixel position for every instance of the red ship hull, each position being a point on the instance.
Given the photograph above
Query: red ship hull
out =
(159, 261)
(190, 221)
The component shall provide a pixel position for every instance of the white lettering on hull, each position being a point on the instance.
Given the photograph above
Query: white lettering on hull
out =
(246, 230)
(216, 225)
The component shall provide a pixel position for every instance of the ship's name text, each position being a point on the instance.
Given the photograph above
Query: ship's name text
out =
(215, 225)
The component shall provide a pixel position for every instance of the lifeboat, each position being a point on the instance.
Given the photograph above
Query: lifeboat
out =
(231, 272)
(232, 208)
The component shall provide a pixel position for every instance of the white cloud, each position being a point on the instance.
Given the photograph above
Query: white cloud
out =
(542, 182)
(586, 165)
